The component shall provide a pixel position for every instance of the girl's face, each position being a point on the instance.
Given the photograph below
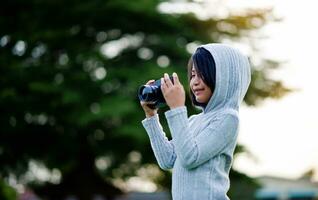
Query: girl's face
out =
(200, 90)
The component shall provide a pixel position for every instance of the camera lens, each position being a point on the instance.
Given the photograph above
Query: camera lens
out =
(147, 93)
(152, 93)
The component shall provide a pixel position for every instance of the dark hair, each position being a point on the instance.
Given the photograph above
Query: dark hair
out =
(204, 64)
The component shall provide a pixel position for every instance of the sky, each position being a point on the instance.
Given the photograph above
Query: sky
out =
(283, 134)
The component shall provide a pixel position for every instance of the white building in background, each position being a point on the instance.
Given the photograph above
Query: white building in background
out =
(274, 188)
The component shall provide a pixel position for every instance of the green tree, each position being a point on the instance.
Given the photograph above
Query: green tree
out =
(70, 71)
(6, 192)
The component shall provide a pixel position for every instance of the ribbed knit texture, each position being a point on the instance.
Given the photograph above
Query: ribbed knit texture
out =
(201, 150)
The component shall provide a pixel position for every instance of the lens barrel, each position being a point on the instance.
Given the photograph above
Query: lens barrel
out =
(152, 93)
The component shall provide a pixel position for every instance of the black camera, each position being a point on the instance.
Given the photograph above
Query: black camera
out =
(152, 93)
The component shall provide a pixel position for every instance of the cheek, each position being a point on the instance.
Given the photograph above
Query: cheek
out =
(209, 94)
(191, 84)
(191, 81)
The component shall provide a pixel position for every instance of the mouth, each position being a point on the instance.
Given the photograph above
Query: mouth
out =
(197, 92)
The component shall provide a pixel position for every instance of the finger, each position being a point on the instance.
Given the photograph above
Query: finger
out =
(147, 105)
(163, 84)
(175, 78)
(150, 81)
(167, 80)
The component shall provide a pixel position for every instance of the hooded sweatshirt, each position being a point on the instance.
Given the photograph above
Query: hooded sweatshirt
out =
(200, 152)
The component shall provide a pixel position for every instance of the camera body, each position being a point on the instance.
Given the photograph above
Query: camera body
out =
(152, 94)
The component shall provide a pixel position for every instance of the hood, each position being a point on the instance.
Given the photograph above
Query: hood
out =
(233, 76)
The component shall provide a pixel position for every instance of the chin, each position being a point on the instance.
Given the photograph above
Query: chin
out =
(199, 100)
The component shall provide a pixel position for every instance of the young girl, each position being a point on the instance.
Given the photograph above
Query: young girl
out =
(201, 150)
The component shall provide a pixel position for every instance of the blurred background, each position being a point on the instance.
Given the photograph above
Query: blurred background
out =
(71, 121)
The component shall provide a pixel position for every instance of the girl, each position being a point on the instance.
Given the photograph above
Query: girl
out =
(201, 150)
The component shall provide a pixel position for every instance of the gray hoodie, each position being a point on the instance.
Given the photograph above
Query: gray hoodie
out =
(201, 150)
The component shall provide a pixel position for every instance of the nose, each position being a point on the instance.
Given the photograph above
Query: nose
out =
(196, 80)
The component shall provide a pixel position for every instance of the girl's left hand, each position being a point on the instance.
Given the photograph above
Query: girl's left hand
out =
(172, 92)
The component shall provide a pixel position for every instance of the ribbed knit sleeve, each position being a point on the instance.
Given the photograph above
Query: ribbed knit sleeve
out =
(194, 149)
(162, 147)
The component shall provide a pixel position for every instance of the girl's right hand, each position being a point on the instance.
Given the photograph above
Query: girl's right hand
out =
(145, 105)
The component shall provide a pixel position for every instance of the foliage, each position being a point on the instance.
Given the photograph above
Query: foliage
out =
(6, 192)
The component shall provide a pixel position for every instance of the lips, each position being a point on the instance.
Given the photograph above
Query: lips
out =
(198, 91)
